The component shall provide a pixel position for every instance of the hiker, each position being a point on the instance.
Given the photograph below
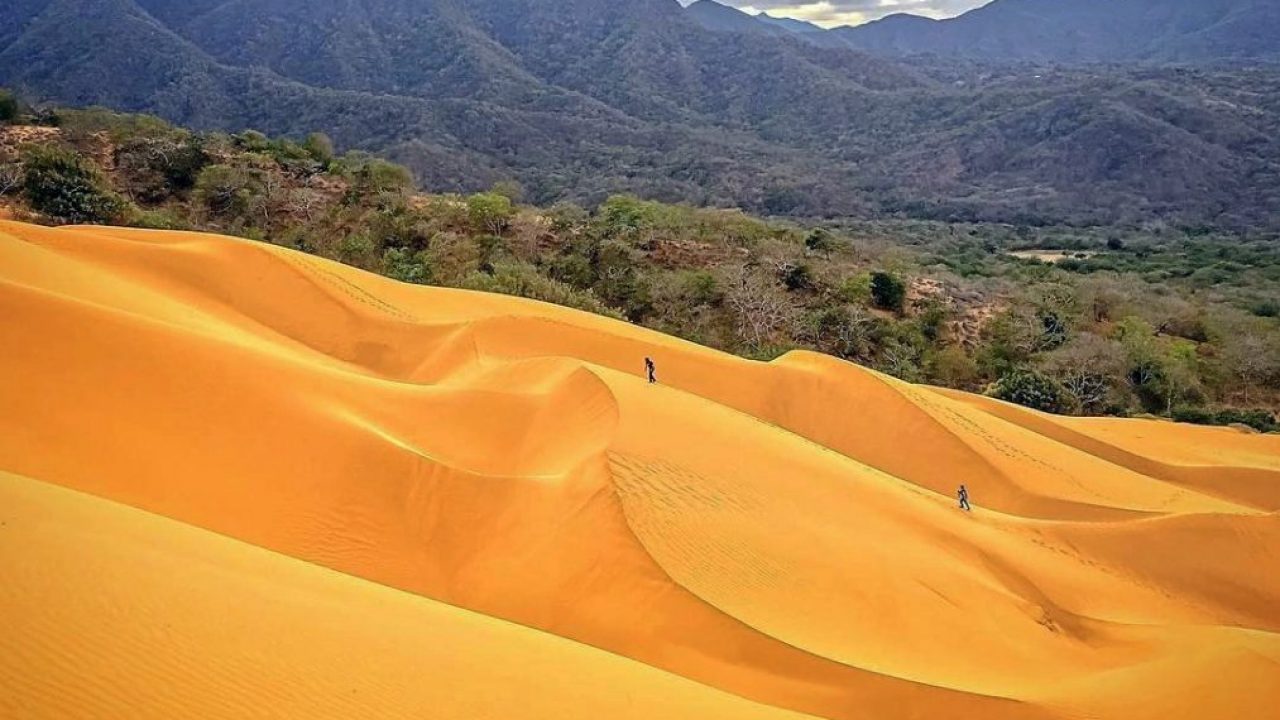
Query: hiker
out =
(650, 369)
(963, 494)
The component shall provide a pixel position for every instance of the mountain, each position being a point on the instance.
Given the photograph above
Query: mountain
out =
(584, 98)
(722, 18)
(717, 17)
(791, 24)
(1084, 31)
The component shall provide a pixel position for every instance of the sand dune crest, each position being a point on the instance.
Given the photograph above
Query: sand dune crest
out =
(741, 540)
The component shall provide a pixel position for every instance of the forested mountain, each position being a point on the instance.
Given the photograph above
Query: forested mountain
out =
(1051, 31)
(577, 99)
(718, 17)
(1085, 31)
(796, 26)
(722, 18)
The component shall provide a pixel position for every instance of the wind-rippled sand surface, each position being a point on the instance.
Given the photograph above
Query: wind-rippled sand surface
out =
(237, 481)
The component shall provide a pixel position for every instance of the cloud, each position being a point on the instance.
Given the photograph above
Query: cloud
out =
(831, 13)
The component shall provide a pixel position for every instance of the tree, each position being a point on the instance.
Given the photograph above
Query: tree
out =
(227, 191)
(490, 212)
(820, 241)
(11, 177)
(1086, 368)
(888, 291)
(10, 108)
(798, 276)
(374, 176)
(1143, 360)
(626, 216)
(66, 187)
(523, 280)
(164, 165)
(844, 332)
(1179, 376)
(617, 281)
(355, 249)
(952, 367)
(320, 148)
(509, 189)
(306, 201)
(400, 264)
(759, 308)
(1033, 390)
(855, 290)
(1251, 360)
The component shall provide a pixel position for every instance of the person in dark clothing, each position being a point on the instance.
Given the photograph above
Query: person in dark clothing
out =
(651, 370)
(963, 494)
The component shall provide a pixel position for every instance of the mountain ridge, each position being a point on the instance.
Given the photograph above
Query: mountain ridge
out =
(581, 105)
(1082, 31)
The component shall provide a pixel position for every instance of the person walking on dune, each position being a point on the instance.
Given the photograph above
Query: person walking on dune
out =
(963, 494)
(651, 370)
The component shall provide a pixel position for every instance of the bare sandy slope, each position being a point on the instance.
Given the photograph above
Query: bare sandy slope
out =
(108, 611)
(783, 533)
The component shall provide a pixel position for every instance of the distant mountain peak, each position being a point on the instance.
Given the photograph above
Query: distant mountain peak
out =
(1083, 31)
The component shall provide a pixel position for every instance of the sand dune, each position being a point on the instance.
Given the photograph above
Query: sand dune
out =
(243, 481)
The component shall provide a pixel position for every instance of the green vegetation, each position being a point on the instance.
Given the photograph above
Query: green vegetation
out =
(452, 91)
(62, 185)
(10, 108)
(1091, 321)
(888, 291)
(1033, 390)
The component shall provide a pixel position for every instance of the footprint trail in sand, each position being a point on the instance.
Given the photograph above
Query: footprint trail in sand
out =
(238, 481)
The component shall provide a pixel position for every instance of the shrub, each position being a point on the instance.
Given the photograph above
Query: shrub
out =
(1260, 420)
(62, 185)
(510, 189)
(855, 290)
(888, 291)
(373, 176)
(320, 148)
(10, 108)
(227, 191)
(701, 288)
(1193, 415)
(490, 213)
(820, 241)
(157, 168)
(11, 177)
(626, 215)
(523, 280)
(618, 282)
(1033, 390)
(1266, 308)
(798, 277)
(158, 220)
(355, 249)
(405, 266)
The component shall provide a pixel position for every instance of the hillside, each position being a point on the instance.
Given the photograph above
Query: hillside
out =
(1090, 321)
(1084, 31)
(578, 103)
(203, 395)
(722, 18)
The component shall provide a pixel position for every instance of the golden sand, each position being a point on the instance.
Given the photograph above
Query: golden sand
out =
(239, 481)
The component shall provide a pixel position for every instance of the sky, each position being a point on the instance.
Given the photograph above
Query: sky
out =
(830, 13)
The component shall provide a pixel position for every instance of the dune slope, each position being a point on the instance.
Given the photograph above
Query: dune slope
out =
(739, 539)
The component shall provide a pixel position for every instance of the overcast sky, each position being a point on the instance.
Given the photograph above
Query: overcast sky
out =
(830, 13)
